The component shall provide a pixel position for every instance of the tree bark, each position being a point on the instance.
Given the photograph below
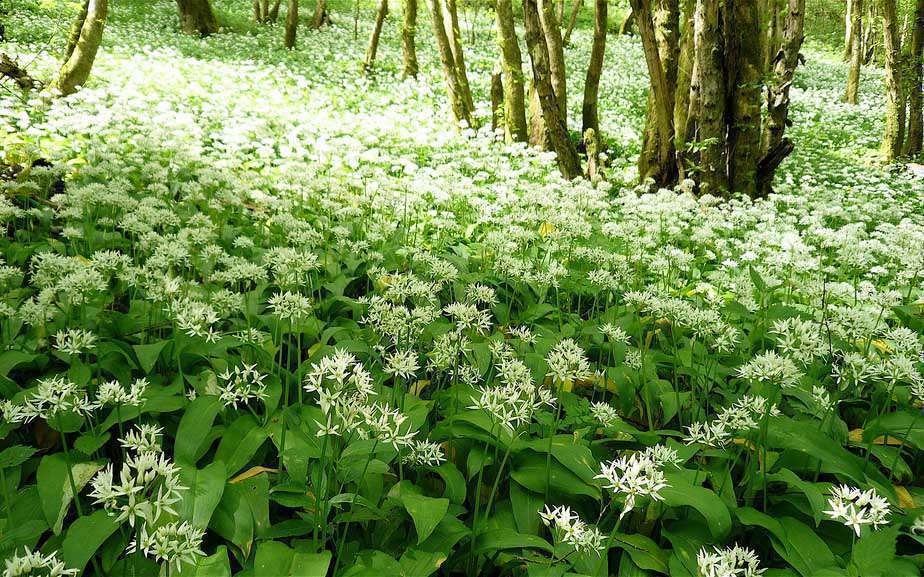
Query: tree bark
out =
(373, 48)
(572, 20)
(848, 30)
(512, 60)
(744, 49)
(197, 17)
(273, 15)
(710, 81)
(856, 53)
(408, 38)
(915, 97)
(553, 40)
(684, 88)
(626, 26)
(73, 35)
(568, 161)
(76, 68)
(775, 146)
(657, 25)
(459, 107)
(291, 23)
(892, 139)
(589, 116)
(321, 16)
(451, 21)
(497, 96)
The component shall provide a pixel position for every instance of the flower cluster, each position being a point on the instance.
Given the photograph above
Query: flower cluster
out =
(855, 508)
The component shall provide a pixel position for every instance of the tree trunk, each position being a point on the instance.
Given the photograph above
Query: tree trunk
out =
(497, 96)
(273, 15)
(197, 17)
(512, 60)
(553, 40)
(568, 162)
(76, 68)
(892, 139)
(657, 28)
(744, 49)
(408, 38)
(915, 96)
(684, 87)
(856, 54)
(869, 33)
(451, 21)
(321, 17)
(73, 35)
(848, 31)
(775, 147)
(459, 107)
(572, 20)
(627, 22)
(589, 119)
(710, 81)
(291, 23)
(774, 33)
(380, 15)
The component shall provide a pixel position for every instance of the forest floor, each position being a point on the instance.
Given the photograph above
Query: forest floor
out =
(223, 204)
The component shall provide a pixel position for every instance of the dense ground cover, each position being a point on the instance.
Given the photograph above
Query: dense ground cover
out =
(486, 369)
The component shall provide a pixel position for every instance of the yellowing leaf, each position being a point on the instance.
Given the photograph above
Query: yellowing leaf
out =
(905, 500)
(546, 228)
(252, 472)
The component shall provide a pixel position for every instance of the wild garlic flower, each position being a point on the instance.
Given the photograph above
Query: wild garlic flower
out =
(172, 544)
(513, 403)
(113, 393)
(770, 368)
(241, 385)
(424, 454)
(338, 378)
(746, 413)
(917, 527)
(568, 528)
(32, 563)
(52, 397)
(711, 434)
(195, 318)
(75, 341)
(402, 363)
(378, 421)
(524, 333)
(290, 306)
(855, 508)
(799, 340)
(614, 333)
(142, 439)
(447, 350)
(634, 476)
(661, 455)
(567, 363)
(467, 317)
(822, 399)
(728, 562)
(605, 413)
(481, 294)
(148, 485)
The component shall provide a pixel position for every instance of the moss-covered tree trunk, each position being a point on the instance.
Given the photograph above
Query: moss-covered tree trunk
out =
(458, 101)
(710, 81)
(658, 22)
(512, 61)
(856, 53)
(589, 114)
(76, 68)
(408, 38)
(915, 96)
(684, 86)
(197, 17)
(291, 23)
(848, 30)
(552, 32)
(372, 49)
(572, 20)
(454, 33)
(568, 161)
(891, 43)
(775, 146)
(321, 16)
(744, 70)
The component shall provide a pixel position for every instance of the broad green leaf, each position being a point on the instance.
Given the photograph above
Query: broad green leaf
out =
(426, 512)
(239, 443)
(679, 493)
(204, 488)
(502, 539)
(275, 559)
(15, 456)
(873, 554)
(148, 355)
(194, 427)
(901, 425)
(55, 489)
(217, 565)
(85, 536)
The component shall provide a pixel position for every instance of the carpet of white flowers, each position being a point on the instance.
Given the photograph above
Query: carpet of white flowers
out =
(267, 317)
